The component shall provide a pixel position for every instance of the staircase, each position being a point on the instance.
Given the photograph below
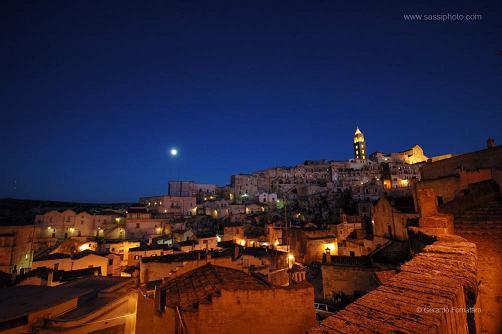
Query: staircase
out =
(483, 226)
(485, 219)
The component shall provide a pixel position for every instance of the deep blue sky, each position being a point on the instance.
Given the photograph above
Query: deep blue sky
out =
(93, 94)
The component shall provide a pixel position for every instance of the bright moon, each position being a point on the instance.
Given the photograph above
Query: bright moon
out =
(174, 152)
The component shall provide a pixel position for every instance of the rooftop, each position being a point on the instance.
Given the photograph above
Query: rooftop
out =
(177, 257)
(105, 290)
(32, 298)
(75, 256)
(199, 285)
(145, 247)
(137, 210)
(187, 256)
(261, 251)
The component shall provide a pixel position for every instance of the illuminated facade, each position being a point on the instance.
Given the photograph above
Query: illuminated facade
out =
(359, 145)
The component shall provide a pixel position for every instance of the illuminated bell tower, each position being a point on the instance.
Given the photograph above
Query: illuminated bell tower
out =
(359, 145)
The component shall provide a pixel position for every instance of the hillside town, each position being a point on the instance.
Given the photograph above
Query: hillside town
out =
(325, 246)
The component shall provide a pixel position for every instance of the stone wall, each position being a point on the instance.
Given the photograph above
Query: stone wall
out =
(309, 246)
(277, 310)
(487, 158)
(347, 279)
(433, 293)
(446, 187)
(16, 247)
(477, 194)
(489, 247)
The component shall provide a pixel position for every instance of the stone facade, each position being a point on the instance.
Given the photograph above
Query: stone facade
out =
(234, 301)
(389, 221)
(351, 280)
(311, 246)
(17, 247)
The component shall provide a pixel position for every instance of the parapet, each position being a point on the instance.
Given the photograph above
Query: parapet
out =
(435, 292)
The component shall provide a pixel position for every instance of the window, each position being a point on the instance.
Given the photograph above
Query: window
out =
(137, 225)
(56, 266)
(110, 262)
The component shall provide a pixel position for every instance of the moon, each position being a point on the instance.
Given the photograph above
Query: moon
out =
(173, 152)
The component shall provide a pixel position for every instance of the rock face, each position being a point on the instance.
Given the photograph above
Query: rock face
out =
(434, 293)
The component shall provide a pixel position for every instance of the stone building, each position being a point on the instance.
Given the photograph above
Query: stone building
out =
(191, 189)
(17, 246)
(391, 217)
(109, 264)
(244, 187)
(409, 156)
(451, 178)
(176, 206)
(267, 262)
(214, 299)
(310, 246)
(267, 198)
(58, 225)
(141, 224)
(135, 254)
(120, 248)
(350, 276)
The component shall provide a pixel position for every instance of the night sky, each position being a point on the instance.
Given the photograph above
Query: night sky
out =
(95, 93)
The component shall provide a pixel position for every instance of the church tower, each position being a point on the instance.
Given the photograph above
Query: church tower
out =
(359, 145)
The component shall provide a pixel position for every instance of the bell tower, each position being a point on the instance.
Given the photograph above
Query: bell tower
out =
(359, 145)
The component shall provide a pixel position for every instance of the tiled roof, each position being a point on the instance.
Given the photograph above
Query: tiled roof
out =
(201, 284)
